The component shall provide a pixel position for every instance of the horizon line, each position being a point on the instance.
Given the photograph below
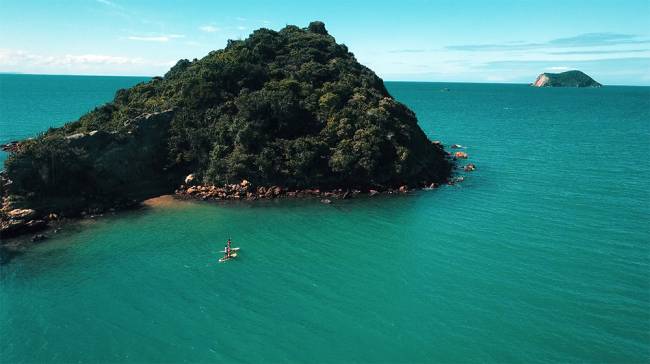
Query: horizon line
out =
(385, 80)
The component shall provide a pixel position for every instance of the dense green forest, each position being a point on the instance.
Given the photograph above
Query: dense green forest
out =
(289, 107)
(569, 79)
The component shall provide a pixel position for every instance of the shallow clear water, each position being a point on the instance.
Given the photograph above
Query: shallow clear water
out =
(541, 255)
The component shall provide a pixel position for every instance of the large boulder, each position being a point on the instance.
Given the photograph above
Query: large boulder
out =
(21, 214)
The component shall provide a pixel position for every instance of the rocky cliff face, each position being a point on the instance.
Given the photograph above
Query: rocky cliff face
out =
(541, 81)
(89, 171)
(565, 79)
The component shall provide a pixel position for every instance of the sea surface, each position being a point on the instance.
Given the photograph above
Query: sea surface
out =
(541, 255)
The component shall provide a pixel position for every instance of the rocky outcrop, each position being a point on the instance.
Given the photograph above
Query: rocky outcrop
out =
(471, 167)
(246, 191)
(21, 214)
(565, 79)
(102, 170)
(10, 227)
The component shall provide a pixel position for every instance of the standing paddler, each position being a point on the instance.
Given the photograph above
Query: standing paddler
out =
(227, 249)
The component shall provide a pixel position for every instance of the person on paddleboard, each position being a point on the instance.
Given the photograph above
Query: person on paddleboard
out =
(228, 249)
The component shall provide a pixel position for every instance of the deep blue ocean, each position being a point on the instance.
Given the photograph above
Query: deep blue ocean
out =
(541, 255)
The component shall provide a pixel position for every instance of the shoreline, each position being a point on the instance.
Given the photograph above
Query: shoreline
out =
(17, 224)
(246, 191)
(36, 230)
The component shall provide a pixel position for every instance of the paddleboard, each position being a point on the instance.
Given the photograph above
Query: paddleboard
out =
(232, 256)
(231, 249)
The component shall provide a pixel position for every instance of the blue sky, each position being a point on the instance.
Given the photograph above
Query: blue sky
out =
(467, 41)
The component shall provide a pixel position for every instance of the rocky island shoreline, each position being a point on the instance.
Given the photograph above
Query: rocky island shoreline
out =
(15, 222)
(565, 79)
(285, 114)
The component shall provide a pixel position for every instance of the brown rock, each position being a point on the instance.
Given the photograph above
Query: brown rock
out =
(470, 167)
(190, 179)
(461, 155)
(38, 237)
(403, 189)
(373, 193)
(21, 213)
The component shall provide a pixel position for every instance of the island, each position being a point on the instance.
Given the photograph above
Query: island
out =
(565, 79)
(281, 113)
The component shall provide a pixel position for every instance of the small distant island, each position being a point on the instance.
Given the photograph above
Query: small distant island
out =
(565, 79)
(281, 113)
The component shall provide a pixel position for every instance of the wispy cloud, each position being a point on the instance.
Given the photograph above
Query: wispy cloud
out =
(545, 63)
(12, 57)
(155, 38)
(598, 39)
(210, 28)
(559, 68)
(409, 50)
(241, 27)
(18, 60)
(582, 40)
(108, 3)
(616, 51)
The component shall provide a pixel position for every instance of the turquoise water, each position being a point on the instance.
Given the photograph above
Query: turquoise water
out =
(30, 104)
(541, 255)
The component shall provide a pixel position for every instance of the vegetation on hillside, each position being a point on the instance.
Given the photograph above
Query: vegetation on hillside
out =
(289, 107)
(570, 79)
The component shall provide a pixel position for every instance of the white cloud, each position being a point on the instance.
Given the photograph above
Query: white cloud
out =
(209, 28)
(107, 2)
(155, 38)
(21, 61)
(241, 27)
(15, 57)
(149, 39)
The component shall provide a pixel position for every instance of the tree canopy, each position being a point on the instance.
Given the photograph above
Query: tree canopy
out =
(289, 107)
